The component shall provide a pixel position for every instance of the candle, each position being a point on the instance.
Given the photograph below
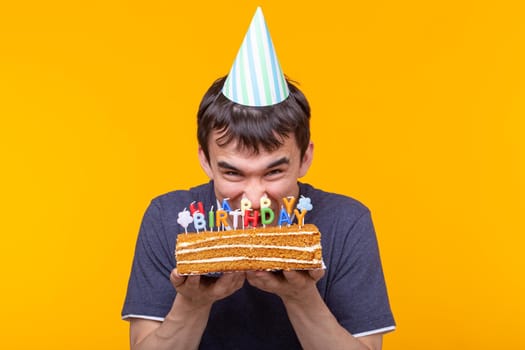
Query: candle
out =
(265, 202)
(246, 204)
(221, 218)
(267, 216)
(235, 214)
(184, 219)
(251, 218)
(289, 203)
(305, 203)
(284, 217)
(200, 208)
(226, 205)
(300, 216)
(198, 221)
(211, 218)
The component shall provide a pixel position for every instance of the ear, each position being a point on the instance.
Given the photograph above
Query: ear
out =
(205, 165)
(307, 160)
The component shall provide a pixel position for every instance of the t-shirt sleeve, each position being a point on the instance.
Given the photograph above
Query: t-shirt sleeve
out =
(357, 293)
(150, 294)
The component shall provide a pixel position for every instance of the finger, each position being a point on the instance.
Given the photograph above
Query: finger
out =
(176, 279)
(238, 280)
(228, 283)
(235, 278)
(293, 277)
(257, 275)
(193, 281)
(317, 274)
(262, 279)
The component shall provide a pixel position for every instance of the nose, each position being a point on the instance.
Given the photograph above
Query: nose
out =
(254, 191)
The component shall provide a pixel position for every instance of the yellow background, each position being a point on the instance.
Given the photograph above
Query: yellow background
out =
(418, 111)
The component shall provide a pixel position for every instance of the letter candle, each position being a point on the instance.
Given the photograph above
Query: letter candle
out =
(267, 214)
(288, 203)
(221, 218)
(200, 208)
(235, 214)
(284, 217)
(198, 221)
(226, 205)
(251, 218)
(246, 204)
(265, 202)
(211, 218)
(300, 216)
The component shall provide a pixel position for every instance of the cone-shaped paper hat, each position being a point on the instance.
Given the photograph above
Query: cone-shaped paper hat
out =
(256, 78)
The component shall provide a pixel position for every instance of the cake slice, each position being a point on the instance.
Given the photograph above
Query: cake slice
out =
(291, 247)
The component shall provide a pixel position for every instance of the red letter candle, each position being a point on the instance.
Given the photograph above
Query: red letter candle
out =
(251, 218)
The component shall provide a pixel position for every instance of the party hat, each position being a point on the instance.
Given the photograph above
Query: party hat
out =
(256, 78)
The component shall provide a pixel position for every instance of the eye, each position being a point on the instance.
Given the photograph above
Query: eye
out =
(231, 173)
(274, 172)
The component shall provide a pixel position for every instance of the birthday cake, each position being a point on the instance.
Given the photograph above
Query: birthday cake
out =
(287, 246)
(271, 248)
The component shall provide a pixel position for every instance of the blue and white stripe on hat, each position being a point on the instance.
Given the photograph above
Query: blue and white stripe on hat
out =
(256, 78)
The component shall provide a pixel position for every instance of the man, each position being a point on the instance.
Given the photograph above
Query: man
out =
(251, 148)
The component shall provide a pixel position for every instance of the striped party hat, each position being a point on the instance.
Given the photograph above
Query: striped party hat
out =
(256, 78)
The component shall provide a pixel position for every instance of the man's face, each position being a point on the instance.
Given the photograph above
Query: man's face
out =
(241, 174)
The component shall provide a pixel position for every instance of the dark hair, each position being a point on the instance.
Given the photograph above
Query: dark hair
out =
(253, 127)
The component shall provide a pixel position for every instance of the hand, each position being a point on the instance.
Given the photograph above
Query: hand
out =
(289, 285)
(201, 290)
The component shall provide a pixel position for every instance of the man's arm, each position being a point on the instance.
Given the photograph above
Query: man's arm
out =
(315, 325)
(184, 325)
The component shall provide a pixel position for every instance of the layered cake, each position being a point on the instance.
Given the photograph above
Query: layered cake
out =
(287, 247)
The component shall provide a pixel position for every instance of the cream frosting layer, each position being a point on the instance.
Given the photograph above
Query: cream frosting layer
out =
(214, 238)
(312, 248)
(239, 258)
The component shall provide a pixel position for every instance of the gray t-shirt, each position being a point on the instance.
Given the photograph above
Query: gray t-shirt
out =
(353, 286)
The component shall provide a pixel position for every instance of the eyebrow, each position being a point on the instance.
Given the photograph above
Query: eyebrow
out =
(281, 161)
(225, 165)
